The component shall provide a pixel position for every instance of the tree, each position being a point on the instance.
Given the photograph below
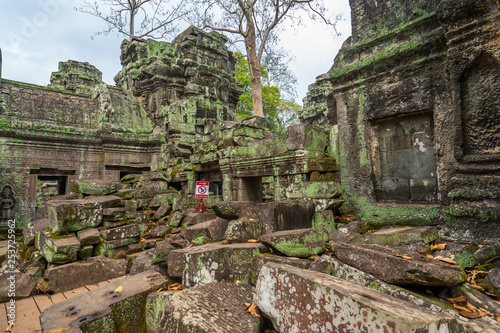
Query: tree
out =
(121, 15)
(257, 23)
(278, 112)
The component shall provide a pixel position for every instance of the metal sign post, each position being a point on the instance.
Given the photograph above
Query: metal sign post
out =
(201, 193)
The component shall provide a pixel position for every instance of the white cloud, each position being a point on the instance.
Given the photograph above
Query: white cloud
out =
(49, 31)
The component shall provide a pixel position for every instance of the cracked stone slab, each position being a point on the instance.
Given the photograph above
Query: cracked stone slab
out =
(78, 274)
(106, 309)
(299, 300)
(94, 186)
(213, 307)
(385, 264)
(297, 243)
(213, 262)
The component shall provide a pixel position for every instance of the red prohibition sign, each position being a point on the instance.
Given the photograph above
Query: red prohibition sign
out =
(202, 189)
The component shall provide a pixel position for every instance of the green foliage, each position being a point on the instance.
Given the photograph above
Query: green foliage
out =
(279, 113)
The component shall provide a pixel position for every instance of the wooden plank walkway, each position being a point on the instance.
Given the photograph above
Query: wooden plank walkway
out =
(28, 310)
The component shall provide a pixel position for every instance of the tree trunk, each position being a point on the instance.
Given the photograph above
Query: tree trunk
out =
(131, 26)
(254, 66)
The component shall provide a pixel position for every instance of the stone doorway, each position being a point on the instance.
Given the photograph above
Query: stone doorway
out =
(252, 189)
(404, 161)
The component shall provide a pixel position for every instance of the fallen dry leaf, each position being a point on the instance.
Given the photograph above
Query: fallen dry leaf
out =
(470, 315)
(238, 282)
(447, 260)
(403, 256)
(55, 330)
(438, 247)
(224, 242)
(428, 255)
(175, 287)
(497, 317)
(313, 257)
(9, 328)
(458, 300)
(252, 309)
(119, 289)
(252, 241)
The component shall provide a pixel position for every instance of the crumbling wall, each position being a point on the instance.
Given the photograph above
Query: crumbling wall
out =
(416, 101)
(77, 127)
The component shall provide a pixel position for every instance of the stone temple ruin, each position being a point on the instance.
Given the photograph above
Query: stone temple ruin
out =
(378, 212)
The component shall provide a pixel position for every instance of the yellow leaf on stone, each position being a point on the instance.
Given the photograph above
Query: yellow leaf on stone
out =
(174, 287)
(403, 256)
(448, 260)
(428, 255)
(252, 309)
(55, 330)
(119, 289)
(438, 247)
(252, 241)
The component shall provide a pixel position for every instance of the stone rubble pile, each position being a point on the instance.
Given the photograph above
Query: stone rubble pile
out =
(319, 273)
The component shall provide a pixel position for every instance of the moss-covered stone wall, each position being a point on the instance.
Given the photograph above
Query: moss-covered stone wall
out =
(406, 87)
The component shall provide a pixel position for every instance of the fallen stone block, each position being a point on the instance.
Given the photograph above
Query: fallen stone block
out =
(160, 199)
(158, 232)
(101, 248)
(23, 284)
(293, 214)
(175, 219)
(150, 189)
(115, 214)
(350, 233)
(79, 274)
(213, 230)
(232, 210)
(125, 194)
(212, 307)
(127, 231)
(85, 252)
(487, 253)
(155, 307)
(161, 251)
(94, 186)
(195, 218)
(494, 280)
(88, 236)
(75, 215)
(115, 307)
(29, 232)
(323, 303)
(144, 263)
(402, 236)
(243, 229)
(162, 211)
(260, 260)
(297, 243)
(57, 249)
(324, 220)
(389, 265)
(216, 262)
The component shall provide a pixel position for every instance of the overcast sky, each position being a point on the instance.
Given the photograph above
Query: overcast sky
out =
(36, 34)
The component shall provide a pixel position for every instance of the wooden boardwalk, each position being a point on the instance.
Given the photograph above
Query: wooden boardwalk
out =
(28, 309)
